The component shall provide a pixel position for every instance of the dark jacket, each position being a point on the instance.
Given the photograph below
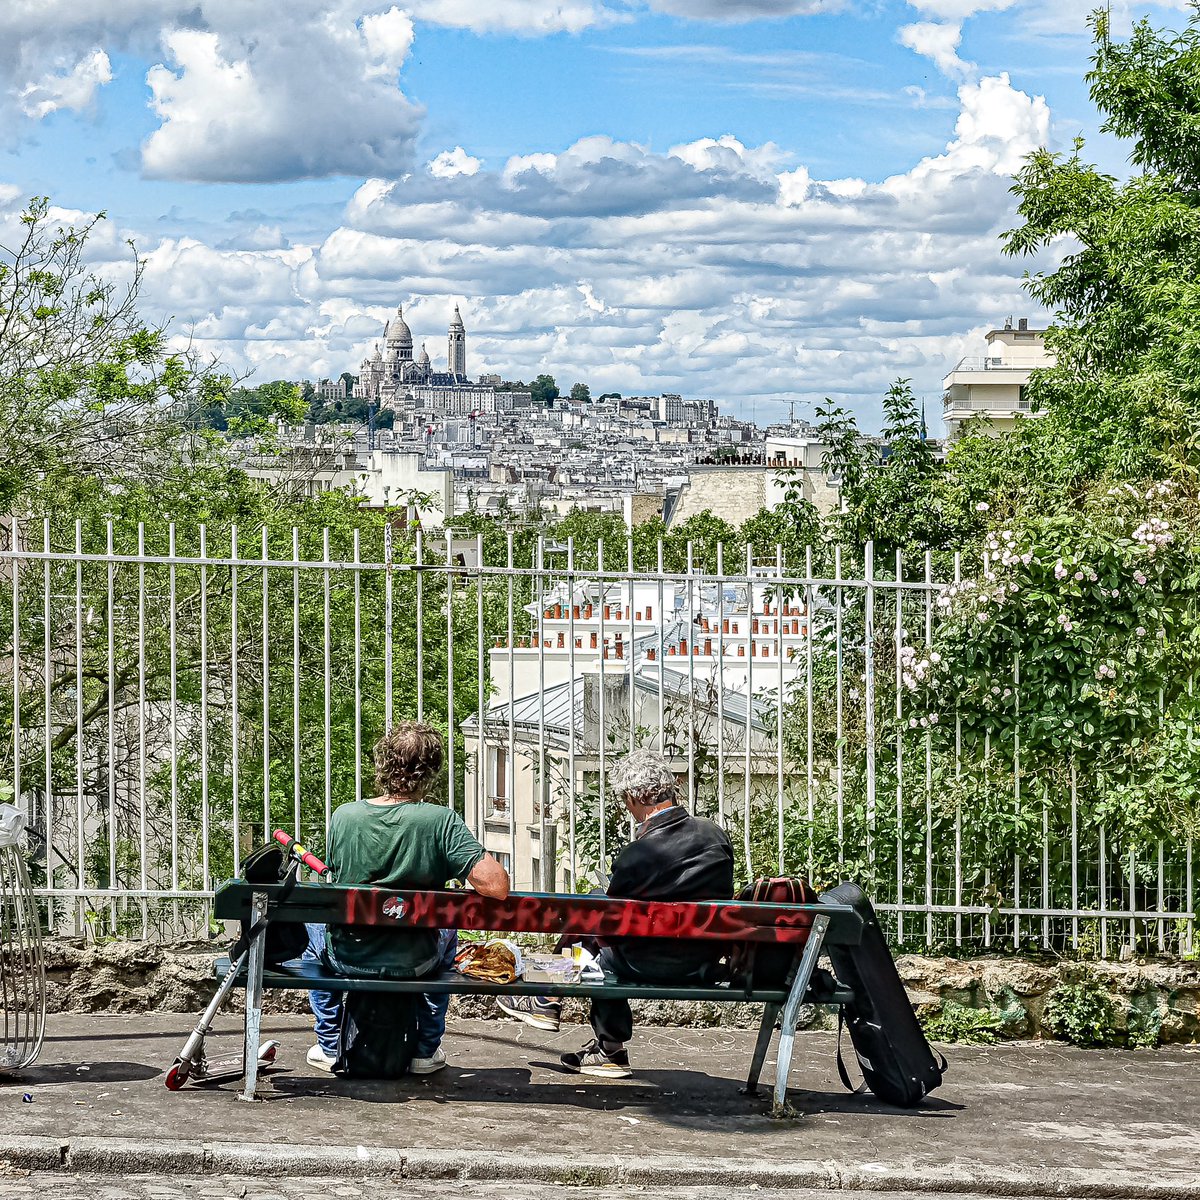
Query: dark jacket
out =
(676, 857)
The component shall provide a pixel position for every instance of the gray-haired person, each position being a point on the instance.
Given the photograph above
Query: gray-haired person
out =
(673, 856)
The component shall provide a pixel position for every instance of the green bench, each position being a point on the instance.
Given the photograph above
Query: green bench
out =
(808, 928)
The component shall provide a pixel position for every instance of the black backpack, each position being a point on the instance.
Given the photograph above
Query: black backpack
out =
(285, 939)
(378, 1034)
(889, 1043)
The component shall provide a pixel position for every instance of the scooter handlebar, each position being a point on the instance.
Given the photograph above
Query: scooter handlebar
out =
(307, 857)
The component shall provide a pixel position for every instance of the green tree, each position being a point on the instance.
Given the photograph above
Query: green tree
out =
(543, 389)
(1125, 392)
(581, 393)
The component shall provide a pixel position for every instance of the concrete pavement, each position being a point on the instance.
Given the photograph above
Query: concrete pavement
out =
(1028, 1118)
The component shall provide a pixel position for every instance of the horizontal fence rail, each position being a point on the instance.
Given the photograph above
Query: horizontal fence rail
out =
(172, 695)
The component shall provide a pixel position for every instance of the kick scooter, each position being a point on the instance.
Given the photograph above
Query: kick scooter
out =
(192, 1063)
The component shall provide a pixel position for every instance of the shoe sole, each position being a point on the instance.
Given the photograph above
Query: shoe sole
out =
(426, 1070)
(538, 1022)
(607, 1072)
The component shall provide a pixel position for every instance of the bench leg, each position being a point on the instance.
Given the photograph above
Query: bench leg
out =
(791, 1012)
(770, 1015)
(254, 991)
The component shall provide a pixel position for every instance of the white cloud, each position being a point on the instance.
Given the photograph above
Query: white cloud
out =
(73, 89)
(712, 269)
(960, 10)
(454, 162)
(939, 42)
(744, 10)
(314, 99)
(514, 16)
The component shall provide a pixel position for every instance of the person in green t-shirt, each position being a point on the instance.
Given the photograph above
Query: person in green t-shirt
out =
(398, 841)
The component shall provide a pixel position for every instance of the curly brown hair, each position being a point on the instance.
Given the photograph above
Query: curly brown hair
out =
(408, 759)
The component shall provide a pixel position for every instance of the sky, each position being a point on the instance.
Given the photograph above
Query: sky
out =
(762, 202)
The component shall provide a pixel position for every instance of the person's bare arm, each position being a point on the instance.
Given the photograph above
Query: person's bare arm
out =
(489, 878)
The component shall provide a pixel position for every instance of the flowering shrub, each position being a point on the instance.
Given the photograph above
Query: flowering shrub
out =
(1077, 644)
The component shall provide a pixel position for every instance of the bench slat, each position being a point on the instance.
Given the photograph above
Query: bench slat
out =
(543, 912)
(308, 975)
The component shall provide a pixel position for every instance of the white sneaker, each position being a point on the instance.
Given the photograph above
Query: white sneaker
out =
(317, 1057)
(426, 1066)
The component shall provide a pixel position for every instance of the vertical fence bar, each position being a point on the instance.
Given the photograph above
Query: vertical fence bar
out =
(141, 669)
(205, 811)
(480, 659)
(630, 667)
(1017, 801)
(173, 633)
(266, 688)
(1074, 859)
(327, 688)
(958, 856)
(80, 877)
(357, 551)
(602, 654)
(778, 603)
(299, 831)
(746, 809)
(690, 626)
(869, 684)
(899, 713)
(1046, 865)
(510, 756)
(839, 716)
(1103, 892)
(543, 790)
(235, 731)
(48, 719)
(721, 813)
(661, 656)
(419, 602)
(928, 595)
(571, 667)
(387, 622)
(110, 575)
(809, 698)
(450, 739)
(15, 540)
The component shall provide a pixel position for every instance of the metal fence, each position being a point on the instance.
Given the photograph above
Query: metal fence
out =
(174, 694)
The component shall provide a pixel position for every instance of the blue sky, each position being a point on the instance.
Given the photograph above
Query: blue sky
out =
(755, 200)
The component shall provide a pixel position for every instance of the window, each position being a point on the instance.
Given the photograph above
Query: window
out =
(498, 797)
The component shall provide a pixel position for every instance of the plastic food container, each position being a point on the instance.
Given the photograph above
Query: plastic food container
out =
(549, 968)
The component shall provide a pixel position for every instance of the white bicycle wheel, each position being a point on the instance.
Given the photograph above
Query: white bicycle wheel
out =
(22, 968)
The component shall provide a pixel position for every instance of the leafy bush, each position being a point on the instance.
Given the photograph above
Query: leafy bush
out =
(1083, 1013)
(957, 1023)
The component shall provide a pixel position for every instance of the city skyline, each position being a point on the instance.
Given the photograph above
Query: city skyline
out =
(763, 202)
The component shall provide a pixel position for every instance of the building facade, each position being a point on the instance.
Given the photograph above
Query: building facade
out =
(994, 386)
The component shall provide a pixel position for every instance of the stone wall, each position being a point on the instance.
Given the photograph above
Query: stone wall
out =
(127, 977)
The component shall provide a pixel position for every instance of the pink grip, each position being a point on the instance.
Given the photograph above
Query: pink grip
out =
(307, 857)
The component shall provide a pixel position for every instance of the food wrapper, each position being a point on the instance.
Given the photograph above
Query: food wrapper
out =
(497, 961)
(550, 968)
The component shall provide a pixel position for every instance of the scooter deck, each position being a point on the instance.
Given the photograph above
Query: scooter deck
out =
(219, 1068)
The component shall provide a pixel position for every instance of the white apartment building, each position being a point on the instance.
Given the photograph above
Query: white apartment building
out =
(994, 386)
(684, 668)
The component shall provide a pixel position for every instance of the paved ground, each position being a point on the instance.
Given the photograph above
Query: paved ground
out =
(44, 1185)
(1011, 1119)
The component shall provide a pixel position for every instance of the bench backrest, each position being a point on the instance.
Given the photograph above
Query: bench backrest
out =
(542, 912)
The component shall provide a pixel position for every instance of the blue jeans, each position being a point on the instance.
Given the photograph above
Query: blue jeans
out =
(431, 1012)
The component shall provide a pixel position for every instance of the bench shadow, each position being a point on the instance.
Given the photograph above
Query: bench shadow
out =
(687, 1099)
(97, 1072)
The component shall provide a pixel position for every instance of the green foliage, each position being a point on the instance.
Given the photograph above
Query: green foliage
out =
(958, 1023)
(1083, 1013)
(581, 393)
(1124, 393)
(543, 389)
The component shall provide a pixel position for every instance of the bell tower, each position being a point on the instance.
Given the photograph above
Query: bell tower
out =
(458, 346)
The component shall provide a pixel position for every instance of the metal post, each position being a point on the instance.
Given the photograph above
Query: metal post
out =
(254, 991)
(791, 1012)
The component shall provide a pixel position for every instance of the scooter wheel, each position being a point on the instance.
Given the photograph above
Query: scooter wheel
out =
(176, 1078)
